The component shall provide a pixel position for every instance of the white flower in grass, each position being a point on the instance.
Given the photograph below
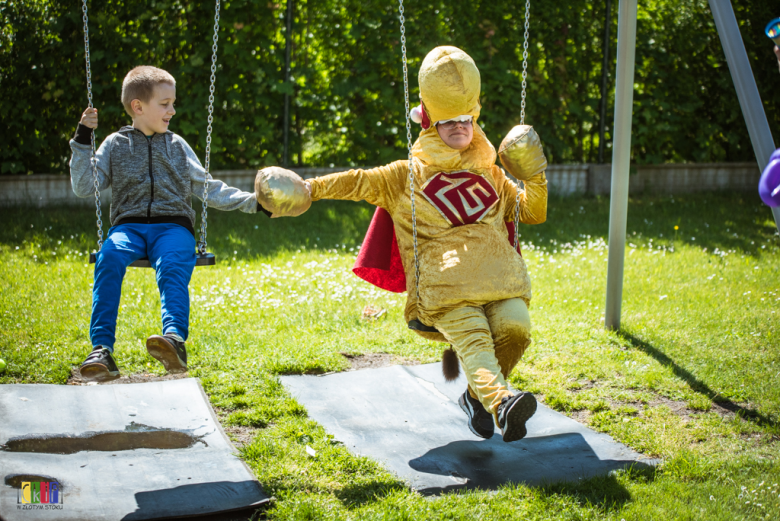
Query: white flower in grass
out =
(663, 297)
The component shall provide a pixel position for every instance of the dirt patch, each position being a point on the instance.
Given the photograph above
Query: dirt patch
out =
(375, 360)
(678, 407)
(583, 385)
(240, 435)
(582, 416)
(726, 410)
(76, 379)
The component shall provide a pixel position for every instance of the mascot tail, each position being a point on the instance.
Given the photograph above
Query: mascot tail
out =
(450, 365)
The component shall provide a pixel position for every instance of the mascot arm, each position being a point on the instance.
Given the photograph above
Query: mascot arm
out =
(282, 192)
(379, 186)
(533, 200)
(521, 153)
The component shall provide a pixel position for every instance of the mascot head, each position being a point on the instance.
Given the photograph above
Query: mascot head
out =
(449, 88)
(449, 84)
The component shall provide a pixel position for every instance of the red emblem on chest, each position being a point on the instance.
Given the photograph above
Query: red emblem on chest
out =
(461, 197)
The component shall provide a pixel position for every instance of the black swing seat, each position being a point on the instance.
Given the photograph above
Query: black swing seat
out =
(203, 259)
(416, 325)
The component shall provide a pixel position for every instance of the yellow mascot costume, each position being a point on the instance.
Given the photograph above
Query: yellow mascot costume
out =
(473, 286)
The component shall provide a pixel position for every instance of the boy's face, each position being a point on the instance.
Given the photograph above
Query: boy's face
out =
(153, 117)
(456, 134)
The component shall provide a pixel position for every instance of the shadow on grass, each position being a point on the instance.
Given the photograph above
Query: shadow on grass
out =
(326, 225)
(711, 220)
(700, 387)
(726, 221)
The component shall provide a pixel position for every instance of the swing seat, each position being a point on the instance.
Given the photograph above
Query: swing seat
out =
(416, 325)
(203, 259)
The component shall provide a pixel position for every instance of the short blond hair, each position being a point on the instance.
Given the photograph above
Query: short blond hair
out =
(140, 83)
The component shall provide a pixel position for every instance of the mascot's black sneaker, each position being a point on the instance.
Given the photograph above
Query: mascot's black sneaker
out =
(99, 366)
(480, 421)
(513, 412)
(169, 350)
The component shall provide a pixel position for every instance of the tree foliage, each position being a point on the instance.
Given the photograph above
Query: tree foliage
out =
(346, 89)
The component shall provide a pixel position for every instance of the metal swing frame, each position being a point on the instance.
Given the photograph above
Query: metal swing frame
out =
(203, 258)
(416, 324)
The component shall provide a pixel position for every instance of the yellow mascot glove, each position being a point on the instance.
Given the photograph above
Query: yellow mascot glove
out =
(282, 192)
(521, 153)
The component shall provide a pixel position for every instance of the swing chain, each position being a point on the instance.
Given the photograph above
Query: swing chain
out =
(522, 116)
(525, 61)
(517, 214)
(409, 149)
(93, 159)
(204, 215)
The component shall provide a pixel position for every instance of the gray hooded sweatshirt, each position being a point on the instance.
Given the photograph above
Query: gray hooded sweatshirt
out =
(153, 180)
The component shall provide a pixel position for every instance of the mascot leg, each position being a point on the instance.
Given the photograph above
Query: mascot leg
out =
(510, 323)
(468, 330)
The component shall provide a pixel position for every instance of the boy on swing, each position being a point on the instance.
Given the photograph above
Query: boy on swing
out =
(473, 286)
(153, 174)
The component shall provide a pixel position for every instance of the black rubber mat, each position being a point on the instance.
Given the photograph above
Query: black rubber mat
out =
(408, 418)
(136, 451)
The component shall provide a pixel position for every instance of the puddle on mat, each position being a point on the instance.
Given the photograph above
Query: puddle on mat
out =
(135, 436)
(16, 480)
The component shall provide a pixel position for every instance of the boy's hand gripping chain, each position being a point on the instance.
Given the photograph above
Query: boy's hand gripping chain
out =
(93, 159)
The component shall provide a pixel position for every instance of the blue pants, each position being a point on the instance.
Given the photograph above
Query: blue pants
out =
(171, 251)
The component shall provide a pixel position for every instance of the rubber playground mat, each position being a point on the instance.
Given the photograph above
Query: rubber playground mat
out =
(139, 451)
(408, 418)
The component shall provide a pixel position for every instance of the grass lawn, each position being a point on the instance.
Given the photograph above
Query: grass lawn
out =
(692, 378)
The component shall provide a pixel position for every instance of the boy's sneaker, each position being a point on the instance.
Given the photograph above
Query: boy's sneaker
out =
(169, 350)
(513, 412)
(480, 421)
(99, 366)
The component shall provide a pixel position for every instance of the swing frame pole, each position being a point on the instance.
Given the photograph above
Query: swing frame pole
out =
(750, 105)
(621, 160)
(745, 85)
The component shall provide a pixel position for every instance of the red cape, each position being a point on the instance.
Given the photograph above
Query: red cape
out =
(379, 260)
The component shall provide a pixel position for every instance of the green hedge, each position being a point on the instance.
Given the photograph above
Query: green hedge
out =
(347, 93)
